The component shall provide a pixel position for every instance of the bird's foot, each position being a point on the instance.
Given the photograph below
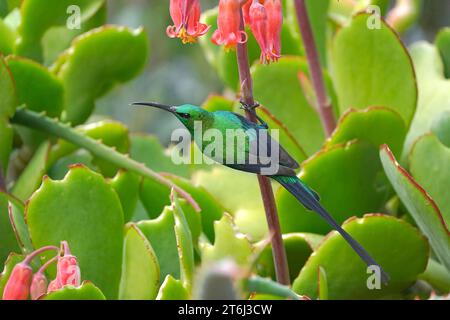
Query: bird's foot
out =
(248, 107)
(252, 110)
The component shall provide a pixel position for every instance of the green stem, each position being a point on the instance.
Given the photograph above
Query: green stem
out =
(257, 284)
(54, 127)
(437, 275)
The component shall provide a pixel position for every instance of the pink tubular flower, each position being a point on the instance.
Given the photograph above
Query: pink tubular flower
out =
(53, 286)
(18, 285)
(228, 23)
(68, 272)
(38, 286)
(266, 20)
(186, 18)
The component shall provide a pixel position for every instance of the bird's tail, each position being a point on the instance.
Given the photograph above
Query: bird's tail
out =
(310, 200)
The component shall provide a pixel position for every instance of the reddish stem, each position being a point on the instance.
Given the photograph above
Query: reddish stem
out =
(324, 105)
(279, 254)
(34, 254)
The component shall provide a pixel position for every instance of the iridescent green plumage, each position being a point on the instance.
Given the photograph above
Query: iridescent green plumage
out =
(223, 122)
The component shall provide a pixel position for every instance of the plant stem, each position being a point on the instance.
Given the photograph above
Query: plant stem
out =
(279, 254)
(324, 105)
(40, 122)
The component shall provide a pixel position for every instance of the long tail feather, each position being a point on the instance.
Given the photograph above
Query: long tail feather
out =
(303, 194)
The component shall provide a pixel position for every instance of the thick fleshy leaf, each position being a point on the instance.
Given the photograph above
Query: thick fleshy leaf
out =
(109, 132)
(86, 212)
(432, 172)
(8, 242)
(288, 102)
(126, 185)
(348, 178)
(20, 228)
(148, 150)
(37, 88)
(398, 247)
(96, 62)
(8, 104)
(298, 249)
(87, 291)
(140, 268)
(434, 88)
(172, 289)
(318, 15)
(239, 192)
(155, 196)
(443, 44)
(394, 85)
(376, 125)
(420, 205)
(37, 19)
(13, 259)
(218, 103)
(59, 38)
(31, 177)
(160, 233)
(228, 244)
(7, 38)
(184, 245)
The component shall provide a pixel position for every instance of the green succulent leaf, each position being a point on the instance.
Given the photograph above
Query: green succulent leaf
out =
(298, 249)
(420, 205)
(148, 150)
(357, 56)
(288, 103)
(8, 242)
(350, 181)
(37, 88)
(385, 238)
(7, 38)
(228, 244)
(240, 193)
(161, 234)
(376, 125)
(126, 185)
(86, 212)
(184, 245)
(8, 104)
(87, 291)
(19, 226)
(97, 61)
(443, 44)
(140, 269)
(218, 103)
(37, 18)
(432, 173)
(32, 175)
(434, 88)
(154, 196)
(172, 289)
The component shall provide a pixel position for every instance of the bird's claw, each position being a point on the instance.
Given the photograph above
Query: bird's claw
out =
(252, 109)
(246, 106)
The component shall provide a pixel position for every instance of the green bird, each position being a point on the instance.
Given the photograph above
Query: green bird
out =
(256, 152)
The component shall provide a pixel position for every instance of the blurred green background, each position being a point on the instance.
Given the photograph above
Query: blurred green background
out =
(177, 73)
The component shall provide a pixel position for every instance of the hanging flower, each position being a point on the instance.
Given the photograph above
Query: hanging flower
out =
(68, 271)
(266, 20)
(229, 33)
(18, 285)
(186, 18)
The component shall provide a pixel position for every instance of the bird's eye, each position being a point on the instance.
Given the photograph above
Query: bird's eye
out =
(185, 115)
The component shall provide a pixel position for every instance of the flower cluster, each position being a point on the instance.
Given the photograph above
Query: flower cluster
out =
(263, 17)
(22, 283)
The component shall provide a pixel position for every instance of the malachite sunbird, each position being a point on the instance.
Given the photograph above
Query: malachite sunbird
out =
(256, 159)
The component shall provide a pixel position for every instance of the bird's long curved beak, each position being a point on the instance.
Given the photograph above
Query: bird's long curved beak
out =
(171, 109)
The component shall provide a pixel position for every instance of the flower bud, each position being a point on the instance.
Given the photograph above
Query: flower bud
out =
(68, 272)
(17, 287)
(53, 286)
(38, 285)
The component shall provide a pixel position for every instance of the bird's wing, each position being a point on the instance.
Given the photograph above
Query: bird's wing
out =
(259, 132)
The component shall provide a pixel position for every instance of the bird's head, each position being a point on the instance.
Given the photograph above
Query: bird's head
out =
(188, 114)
